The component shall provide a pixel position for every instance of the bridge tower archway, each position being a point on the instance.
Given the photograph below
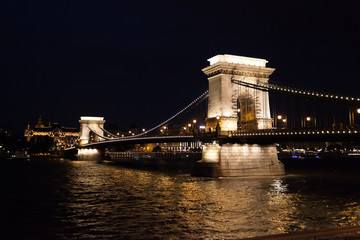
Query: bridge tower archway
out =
(94, 123)
(225, 96)
(230, 104)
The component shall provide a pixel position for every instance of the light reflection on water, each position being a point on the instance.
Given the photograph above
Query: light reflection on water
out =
(87, 200)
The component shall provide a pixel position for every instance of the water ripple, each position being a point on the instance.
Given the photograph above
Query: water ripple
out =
(87, 200)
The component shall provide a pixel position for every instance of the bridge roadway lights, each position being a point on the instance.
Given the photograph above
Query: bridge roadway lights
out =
(238, 160)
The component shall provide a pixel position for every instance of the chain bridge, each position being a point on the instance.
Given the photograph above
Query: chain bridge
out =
(246, 116)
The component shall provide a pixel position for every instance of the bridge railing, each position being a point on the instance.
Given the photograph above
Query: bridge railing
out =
(308, 130)
(153, 155)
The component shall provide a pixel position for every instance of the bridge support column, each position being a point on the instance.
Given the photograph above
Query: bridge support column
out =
(95, 123)
(238, 160)
(90, 154)
(231, 106)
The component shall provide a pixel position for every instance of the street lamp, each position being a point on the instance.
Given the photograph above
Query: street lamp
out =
(218, 124)
(195, 127)
(308, 119)
(278, 123)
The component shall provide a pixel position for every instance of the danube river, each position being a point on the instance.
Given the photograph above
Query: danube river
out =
(63, 199)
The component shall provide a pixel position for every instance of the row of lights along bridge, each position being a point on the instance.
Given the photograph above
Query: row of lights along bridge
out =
(187, 129)
(281, 122)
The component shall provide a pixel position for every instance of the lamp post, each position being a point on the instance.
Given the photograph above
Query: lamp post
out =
(218, 125)
(278, 122)
(239, 119)
(195, 128)
(308, 119)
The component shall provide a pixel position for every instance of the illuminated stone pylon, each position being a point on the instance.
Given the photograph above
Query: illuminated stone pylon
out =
(228, 100)
(95, 123)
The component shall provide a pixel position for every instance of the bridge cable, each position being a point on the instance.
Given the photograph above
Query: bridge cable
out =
(97, 134)
(198, 100)
(298, 92)
(113, 135)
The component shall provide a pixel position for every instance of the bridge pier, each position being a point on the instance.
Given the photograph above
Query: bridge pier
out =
(90, 154)
(238, 160)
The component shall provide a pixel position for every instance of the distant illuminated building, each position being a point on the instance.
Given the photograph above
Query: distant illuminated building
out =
(63, 136)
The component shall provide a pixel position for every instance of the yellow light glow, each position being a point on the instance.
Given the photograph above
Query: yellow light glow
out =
(226, 58)
(279, 117)
(308, 119)
(284, 120)
(194, 121)
(189, 125)
(92, 118)
(358, 110)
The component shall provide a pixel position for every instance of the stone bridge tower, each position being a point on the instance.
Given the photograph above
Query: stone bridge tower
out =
(229, 101)
(95, 123)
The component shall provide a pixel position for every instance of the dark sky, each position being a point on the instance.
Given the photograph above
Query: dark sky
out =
(140, 61)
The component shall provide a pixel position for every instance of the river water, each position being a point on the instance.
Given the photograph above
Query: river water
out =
(63, 199)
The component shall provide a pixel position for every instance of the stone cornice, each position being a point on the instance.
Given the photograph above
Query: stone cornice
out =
(237, 69)
(91, 121)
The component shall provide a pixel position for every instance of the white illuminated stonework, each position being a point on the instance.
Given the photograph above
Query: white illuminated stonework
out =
(230, 106)
(225, 96)
(87, 123)
(238, 60)
(239, 160)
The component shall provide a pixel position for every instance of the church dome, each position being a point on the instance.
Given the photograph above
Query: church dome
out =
(39, 123)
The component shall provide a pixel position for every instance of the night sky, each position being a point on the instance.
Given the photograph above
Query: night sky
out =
(140, 61)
